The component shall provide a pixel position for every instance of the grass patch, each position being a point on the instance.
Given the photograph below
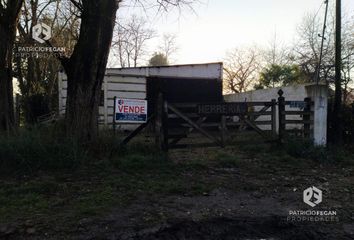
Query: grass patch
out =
(33, 150)
(226, 160)
(305, 149)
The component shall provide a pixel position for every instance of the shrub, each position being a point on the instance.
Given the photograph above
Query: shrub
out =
(304, 148)
(38, 149)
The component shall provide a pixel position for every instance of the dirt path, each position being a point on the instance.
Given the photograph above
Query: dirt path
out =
(216, 194)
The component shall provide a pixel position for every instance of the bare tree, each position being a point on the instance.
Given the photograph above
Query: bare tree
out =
(241, 68)
(308, 45)
(168, 46)
(130, 41)
(9, 11)
(37, 76)
(275, 53)
(347, 58)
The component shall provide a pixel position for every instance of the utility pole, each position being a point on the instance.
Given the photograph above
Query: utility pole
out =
(337, 113)
(322, 43)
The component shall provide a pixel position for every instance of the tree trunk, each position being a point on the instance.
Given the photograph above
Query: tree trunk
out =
(86, 68)
(8, 23)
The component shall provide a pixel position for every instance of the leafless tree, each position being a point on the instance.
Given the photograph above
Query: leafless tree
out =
(308, 46)
(276, 53)
(38, 75)
(241, 68)
(168, 47)
(347, 57)
(130, 41)
(9, 11)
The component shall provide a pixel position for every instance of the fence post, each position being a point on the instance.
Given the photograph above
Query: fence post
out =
(223, 131)
(281, 112)
(17, 110)
(160, 123)
(274, 117)
(114, 115)
(307, 117)
(165, 126)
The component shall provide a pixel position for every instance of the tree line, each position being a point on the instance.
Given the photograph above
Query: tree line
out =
(254, 67)
(86, 28)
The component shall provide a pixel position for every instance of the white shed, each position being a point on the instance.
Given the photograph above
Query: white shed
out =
(131, 83)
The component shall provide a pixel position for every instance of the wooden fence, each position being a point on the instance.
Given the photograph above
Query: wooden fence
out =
(174, 122)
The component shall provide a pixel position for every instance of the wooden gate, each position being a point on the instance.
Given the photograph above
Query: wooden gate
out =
(174, 123)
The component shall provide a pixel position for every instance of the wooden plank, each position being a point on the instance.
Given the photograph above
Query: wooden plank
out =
(190, 130)
(299, 121)
(257, 129)
(195, 145)
(250, 104)
(274, 117)
(290, 102)
(214, 124)
(298, 130)
(223, 130)
(136, 131)
(193, 124)
(186, 105)
(195, 104)
(268, 113)
(112, 87)
(263, 110)
(122, 79)
(263, 122)
(190, 115)
(307, 117)
(297, 113)
(129, 95)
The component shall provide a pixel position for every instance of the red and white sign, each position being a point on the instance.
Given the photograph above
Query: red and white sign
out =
(130, 110)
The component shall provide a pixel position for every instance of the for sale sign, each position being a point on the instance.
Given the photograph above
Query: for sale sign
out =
(130, 110)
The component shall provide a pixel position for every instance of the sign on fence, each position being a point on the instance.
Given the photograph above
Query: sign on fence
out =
(297, 104)
(130, 110)
(223, 108)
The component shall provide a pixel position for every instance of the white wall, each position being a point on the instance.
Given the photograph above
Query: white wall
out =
(207, 70)
(131, 83)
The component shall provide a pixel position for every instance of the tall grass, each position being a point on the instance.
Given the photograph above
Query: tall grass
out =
(47, 148)
(304, 148)
(37, 149)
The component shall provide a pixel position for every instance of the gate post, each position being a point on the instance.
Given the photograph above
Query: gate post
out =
(161, 139)
(281, 112)
(17, 110)
(307, 117)
(223, 131)
(274, 117)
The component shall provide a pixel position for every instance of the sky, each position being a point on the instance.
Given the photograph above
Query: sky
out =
(217, 26)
